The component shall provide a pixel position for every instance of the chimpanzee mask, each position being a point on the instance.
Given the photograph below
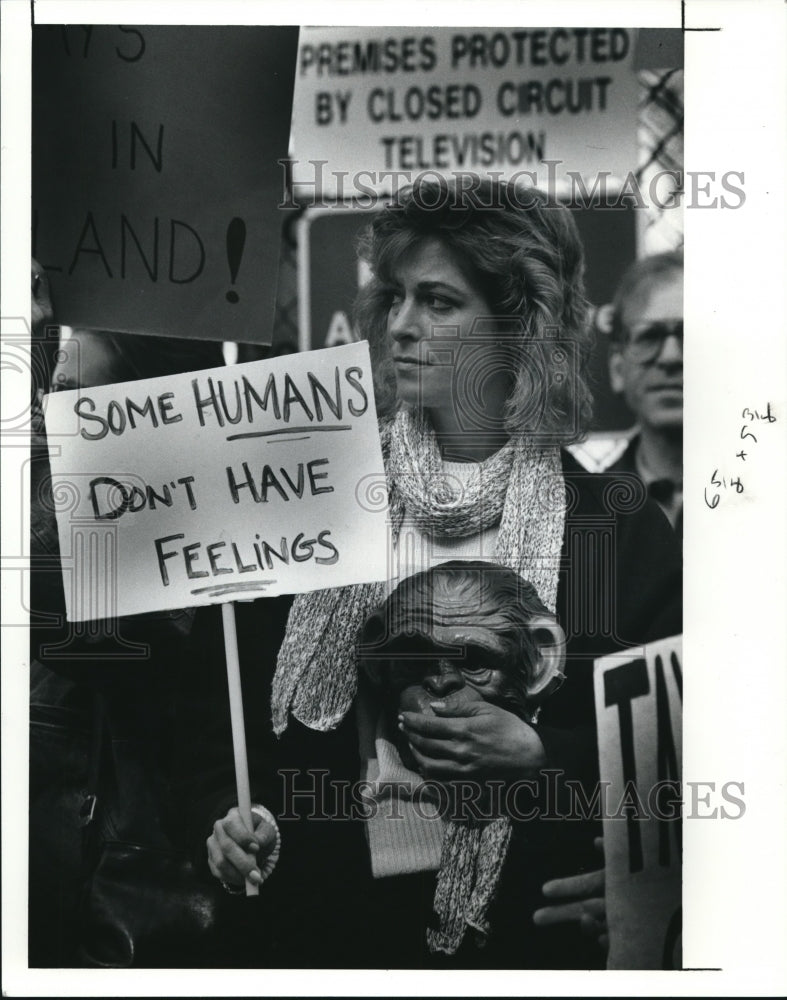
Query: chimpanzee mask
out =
(463, 632)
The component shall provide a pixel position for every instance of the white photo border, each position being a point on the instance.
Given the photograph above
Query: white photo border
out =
(735, 556)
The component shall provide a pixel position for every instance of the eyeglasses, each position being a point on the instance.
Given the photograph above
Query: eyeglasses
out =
(645, 344)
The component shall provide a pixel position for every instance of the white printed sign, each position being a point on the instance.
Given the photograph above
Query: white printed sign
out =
(639, 699)
(375, 106)
(242, 481)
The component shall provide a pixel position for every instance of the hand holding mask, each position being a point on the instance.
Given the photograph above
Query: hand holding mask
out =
(459, 650)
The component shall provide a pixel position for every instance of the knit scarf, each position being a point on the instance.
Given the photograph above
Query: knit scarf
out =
(520, 487)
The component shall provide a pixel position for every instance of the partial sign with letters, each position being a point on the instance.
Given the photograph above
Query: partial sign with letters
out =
(639, 700)
(155, 175)
(243, 481)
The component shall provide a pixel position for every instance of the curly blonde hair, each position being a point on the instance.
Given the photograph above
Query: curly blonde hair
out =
(522, 251)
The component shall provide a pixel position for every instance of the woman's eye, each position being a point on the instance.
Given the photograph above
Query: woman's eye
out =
(438, 304)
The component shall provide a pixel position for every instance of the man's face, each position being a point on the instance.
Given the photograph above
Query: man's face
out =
(653, 389)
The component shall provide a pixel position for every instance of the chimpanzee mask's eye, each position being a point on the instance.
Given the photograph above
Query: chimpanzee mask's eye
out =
(478, 675)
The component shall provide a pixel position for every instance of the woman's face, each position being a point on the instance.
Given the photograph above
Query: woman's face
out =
(430, 322)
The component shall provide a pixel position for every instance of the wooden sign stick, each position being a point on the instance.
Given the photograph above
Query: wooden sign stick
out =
(238, 728)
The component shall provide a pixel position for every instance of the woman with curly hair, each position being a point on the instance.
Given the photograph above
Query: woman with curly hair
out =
(477, 323)
(521, 256)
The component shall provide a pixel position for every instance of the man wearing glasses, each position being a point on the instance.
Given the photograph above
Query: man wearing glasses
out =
(646, 366)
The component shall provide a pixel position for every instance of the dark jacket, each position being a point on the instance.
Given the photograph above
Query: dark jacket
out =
(662, 491)
(620, 585)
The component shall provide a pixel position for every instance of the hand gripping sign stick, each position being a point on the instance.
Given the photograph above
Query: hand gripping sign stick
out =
(133, 517)
(238, 729)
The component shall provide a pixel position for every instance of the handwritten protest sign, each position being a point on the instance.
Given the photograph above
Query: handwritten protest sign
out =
(373, 102)
(244, 481)
(639, 710)
(155, 175)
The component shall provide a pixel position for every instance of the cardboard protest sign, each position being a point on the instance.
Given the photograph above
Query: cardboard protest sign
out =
(155, 175)
(243, 481)
(639, 711)
(374, 101)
